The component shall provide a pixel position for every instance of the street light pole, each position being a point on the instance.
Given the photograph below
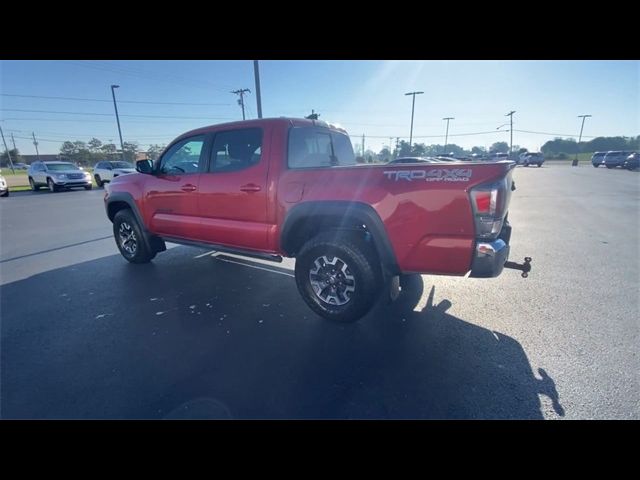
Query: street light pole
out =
(575, 160)
(413, 105)
(256, 72)
(446, 136)
(115, 106)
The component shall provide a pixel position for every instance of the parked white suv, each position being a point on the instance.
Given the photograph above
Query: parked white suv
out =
(107, 171)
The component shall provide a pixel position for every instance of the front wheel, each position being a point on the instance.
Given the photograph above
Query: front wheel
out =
(88, 187)
(33, 185)
(338, 276)
(51, 185)
(129, 238)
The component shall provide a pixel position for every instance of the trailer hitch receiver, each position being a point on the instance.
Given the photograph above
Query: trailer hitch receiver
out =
(525, 267)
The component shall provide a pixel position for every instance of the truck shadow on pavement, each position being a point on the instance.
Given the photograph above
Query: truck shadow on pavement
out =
(187, 337)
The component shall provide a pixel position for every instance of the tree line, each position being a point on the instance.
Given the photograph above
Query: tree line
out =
(93, 151)
(567, 146)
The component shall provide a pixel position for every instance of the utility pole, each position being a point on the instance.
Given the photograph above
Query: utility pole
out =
(575, 160)
(35, 143)
(363, 149)
(446, 136)
(7, 150)
(256, 72)
(241, 93)
(413, 105)
(510, 114)
(113, 87)
(397, 146)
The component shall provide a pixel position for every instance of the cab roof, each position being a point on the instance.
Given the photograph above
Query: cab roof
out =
(259, 122)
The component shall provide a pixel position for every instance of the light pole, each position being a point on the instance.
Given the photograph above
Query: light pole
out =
(575, 160)
(113, 94)
(256, 73)
(413, 105)
(446, 136)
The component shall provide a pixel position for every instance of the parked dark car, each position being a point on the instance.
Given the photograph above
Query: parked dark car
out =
(532, 158)
(598, 159)
(615, 158)
(632, 162)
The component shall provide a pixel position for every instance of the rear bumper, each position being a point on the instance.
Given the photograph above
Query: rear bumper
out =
(489, 259)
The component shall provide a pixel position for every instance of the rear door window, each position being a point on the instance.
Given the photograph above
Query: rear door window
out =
(314, 147)
(236, 150)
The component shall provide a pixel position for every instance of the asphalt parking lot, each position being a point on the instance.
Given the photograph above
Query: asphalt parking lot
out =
(197, 334)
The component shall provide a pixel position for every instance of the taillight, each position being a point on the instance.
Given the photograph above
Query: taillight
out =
(489, 202)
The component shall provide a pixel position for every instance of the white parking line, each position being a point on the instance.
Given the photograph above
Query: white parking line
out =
(254, 266)
(205, 254)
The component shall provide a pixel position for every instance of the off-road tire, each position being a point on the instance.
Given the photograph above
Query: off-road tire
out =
(124, 223)
(355, 260)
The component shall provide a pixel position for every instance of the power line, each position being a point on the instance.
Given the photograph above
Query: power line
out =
(553, 134)
(119, 101)
(30, 119)
(152, 76)
(110, 114)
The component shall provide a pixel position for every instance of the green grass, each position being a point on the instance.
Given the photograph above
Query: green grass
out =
(582, 157)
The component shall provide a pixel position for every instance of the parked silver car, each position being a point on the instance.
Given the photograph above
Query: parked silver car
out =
(57, 176)
(108, 170)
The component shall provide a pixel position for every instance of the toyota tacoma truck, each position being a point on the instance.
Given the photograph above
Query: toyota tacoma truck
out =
(285, 187)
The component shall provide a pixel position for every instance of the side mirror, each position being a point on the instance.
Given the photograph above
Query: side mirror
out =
(144, 166)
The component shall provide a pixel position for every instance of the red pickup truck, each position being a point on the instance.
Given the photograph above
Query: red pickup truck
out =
(278, 187)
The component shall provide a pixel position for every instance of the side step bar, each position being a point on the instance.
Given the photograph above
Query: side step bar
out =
(220, 248)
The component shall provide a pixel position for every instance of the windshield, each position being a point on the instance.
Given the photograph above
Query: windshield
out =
(56, 167)
(121, 165)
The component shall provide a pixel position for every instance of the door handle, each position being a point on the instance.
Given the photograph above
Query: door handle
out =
(250, 187)
(188, 188)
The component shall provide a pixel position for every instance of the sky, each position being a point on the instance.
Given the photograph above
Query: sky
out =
(364, 97)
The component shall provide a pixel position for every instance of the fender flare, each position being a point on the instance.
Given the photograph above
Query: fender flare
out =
(152, 242)
(341, 209)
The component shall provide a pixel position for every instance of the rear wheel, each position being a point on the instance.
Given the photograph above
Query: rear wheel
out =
(595, 165)
(539, 165)
(609, 166)
(338, 276)
(99, 182)
(130, 238)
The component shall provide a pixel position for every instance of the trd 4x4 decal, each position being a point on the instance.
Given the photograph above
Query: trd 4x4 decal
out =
(435, 175)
